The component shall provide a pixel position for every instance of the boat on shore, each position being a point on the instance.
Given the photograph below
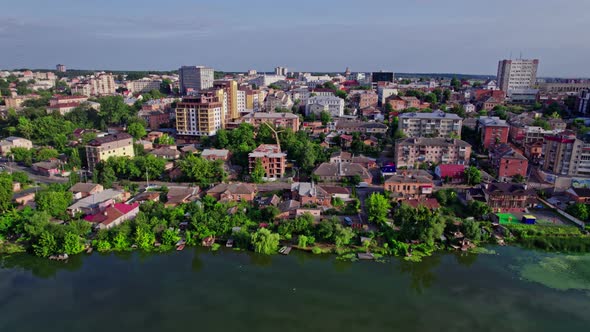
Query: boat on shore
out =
(62, 257)
(180, 247)
(229, 243)
(285, 250)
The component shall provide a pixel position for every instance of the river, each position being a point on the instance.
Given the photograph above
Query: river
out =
(198, 290)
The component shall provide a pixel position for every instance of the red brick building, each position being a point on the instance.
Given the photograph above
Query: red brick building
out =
(508, 163)
(272, 159)
(493, 131)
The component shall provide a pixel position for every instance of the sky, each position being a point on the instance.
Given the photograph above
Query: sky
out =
(426, 36)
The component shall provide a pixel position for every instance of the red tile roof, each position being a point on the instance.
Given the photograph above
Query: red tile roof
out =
(451, 170)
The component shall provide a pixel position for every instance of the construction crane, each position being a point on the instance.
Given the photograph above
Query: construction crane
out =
(276, 133)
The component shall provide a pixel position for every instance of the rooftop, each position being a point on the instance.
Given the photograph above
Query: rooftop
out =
(434, 115)
(110, 138)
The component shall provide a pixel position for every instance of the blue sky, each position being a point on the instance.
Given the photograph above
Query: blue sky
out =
(460, 36)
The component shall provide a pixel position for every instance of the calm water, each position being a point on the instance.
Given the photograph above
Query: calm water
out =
(196, 290)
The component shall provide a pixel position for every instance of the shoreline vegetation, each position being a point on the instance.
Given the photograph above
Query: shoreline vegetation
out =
(411, 233)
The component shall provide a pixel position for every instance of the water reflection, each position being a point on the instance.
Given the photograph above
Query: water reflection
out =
(422, 275)
(40, 267)
(466, 259)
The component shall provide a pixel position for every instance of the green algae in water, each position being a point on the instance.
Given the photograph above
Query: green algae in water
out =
(562, 272)
(482, 251)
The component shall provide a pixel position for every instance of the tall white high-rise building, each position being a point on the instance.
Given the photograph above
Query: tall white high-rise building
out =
(281, 71)
(195, 78)
(517, 74)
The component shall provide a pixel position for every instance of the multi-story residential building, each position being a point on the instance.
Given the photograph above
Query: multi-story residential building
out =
(576, 86)
(281, 71)
(253, 99)
(363, 98)
(565, 154)
(384, 92)
(277, 100)
(65, 104)
(200, 115)
(266, 80)
(195, 78)
(230, 99)
(99, 84)
(241, 101)
(60, 68)
(409, 152)
(271, 158)
(583, 102)
(493, 130)
(402, 103)
(283, 120)
(507, 162)
(435, 124)
(517, 74)
(333, 105)
(14, 142)
(143, 85)
(522, 134)
(409, 185)
(322, 92)
(101, 149)
(301, 95)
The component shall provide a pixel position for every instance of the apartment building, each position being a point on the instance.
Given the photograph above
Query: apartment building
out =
(517, 74)
(230, 98)
(99, 84)
(508, 163)
(277, 100)
(410, 152)
(583, 102)
(143, 85)
(331, 104)
(493, 130)
(101, 149)
(195, 78)
(435, 124)
(363, 98)
(409, 185)
(272, 159)
(200, 115)
(281, 71)
(65, 104)
(565, 154)
(402, 103)
(282, 120)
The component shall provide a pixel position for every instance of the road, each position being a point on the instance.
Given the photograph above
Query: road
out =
(12, 167)
(363, 194)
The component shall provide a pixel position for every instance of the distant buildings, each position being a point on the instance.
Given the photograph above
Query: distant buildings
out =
(101, 149)
(330, 104)
(200, 115)
(517, 74)
(281, 71)
(583, 104)
(271, 158)
(60, 68)
(382, 77)
(400, 103)
(99, 84)
(195, 78)
(143, 85)
(65, 104)
(409, 152)
(435, 124)
(230, 98)
(14, 142)
(363, 98)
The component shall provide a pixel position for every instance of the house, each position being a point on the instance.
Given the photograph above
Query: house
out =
(508, 197)
(215, 154)
(113, 215)
(81, 190)
(154, 135)
(338, 171)
(452, 173)
(341, 157)
(366, 162)
(399, 103)
(580, 195)
(233, 192)
(147, 196)
(409, 185)
(147, 145)
(25, 197)
(288, 209)
(189, 149)
(47, 168)
(181, 195)
(337, 192)
(265, 201)
(429, 203)
(14, 142)
(310, 194)
(166, 152)
(97, 202)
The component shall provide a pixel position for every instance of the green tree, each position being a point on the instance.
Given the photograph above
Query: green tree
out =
(5, 192)
(478, 209)
(165, 140)
(170, 237)
(265, 242)
(72, 244)
(258, 173)
(473, 175)
(377, 208)
(137, 130)
(46, 246)
(202, 171)
(53, 202)
(325, 117)
(420, 224)
(302, 241)
(579, 210)
(46, 154)
(343, 236)
(22, 155)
